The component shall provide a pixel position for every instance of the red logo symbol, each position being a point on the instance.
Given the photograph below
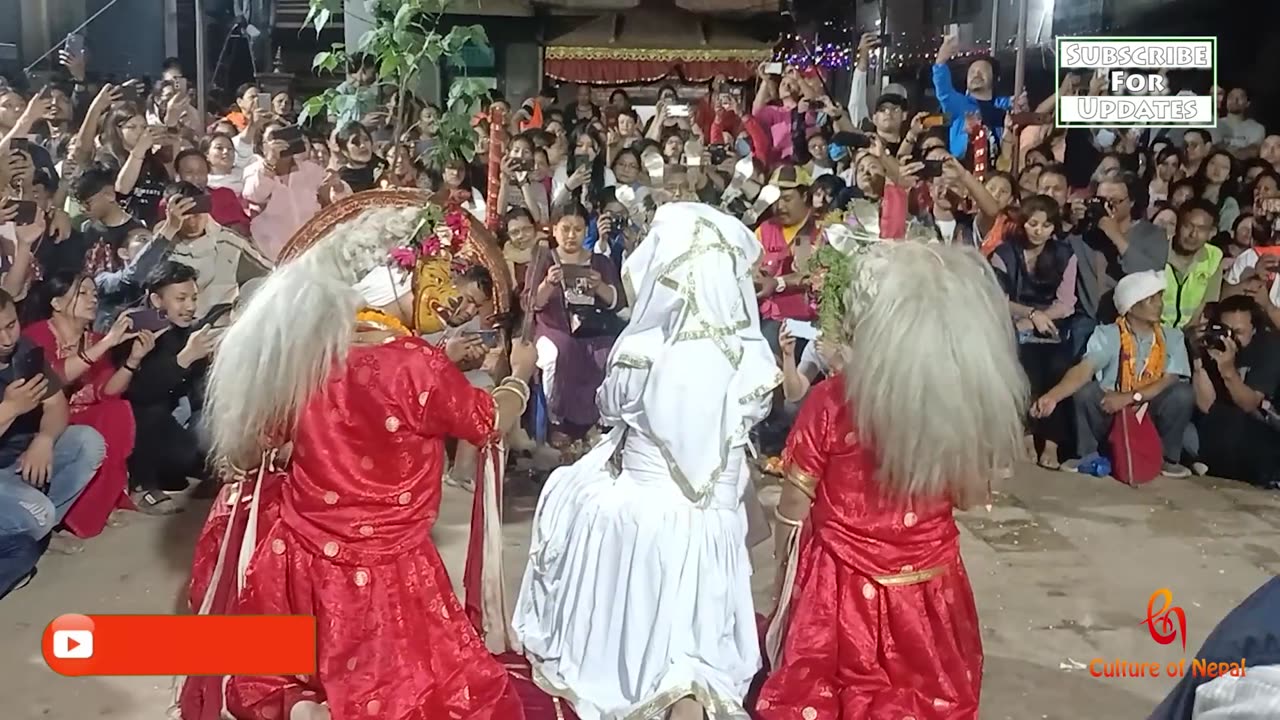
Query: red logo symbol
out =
(1160, 623)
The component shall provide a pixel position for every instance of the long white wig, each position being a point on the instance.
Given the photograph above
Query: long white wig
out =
(294, 331)
(931, 369)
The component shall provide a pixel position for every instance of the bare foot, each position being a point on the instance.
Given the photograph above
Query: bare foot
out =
(1049, 457)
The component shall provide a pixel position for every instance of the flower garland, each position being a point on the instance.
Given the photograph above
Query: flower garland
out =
(382, 321)
(438, 235)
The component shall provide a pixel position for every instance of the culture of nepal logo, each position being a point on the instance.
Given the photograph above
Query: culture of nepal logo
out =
(1165, 625)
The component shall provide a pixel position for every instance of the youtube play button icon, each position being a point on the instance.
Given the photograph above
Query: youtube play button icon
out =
(73, 644)
(68, 645)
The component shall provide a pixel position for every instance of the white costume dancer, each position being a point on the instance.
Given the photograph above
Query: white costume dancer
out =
(638, 590)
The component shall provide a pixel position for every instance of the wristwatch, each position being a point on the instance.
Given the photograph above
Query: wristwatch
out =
(1137, 398)
(779, 285)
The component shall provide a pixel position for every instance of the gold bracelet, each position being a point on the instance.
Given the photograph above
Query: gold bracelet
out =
(518, 384)
(777, 513)
(524, 401)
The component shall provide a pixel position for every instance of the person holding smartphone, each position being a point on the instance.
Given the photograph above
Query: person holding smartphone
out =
(283, 190)
(223, 260)
(44, 463)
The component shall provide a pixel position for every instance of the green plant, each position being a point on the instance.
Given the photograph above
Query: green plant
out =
(837, 269)
(405, 41)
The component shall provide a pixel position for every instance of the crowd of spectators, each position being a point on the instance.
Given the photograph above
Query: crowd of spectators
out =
(1140, 266)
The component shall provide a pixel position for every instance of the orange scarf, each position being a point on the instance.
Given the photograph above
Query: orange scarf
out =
(1130, 379)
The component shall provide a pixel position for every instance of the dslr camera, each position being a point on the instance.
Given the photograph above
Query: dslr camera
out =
(1215, 337)
(1095, 209)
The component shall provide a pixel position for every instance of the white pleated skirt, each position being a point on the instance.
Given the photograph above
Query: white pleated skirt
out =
(634, 596)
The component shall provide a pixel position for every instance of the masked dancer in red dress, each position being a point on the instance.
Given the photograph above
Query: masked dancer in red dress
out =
(322, 355)
(876, 619)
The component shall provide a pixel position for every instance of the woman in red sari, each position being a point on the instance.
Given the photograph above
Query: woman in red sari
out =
(84, 360)
(323, 354)
(876, 619)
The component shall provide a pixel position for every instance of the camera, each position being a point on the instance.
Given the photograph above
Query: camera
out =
(719, 153)
(1215, 337)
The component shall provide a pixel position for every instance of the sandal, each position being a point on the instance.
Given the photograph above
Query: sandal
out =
(154, 502)
(65, 543)
(1048, 463)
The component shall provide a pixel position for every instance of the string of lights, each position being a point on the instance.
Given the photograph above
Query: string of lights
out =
(804, 52)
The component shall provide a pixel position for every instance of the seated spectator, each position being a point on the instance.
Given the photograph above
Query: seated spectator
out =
(788, 238)
(361, 167)
(107, 228)
(44, 463)
(1193, 275)
(1037, 271)
(575, 303)
(585, 174)
(95, 385)
(225, 206)
(223, 260)
(1128, 363)
(283, 191)
(1117, 244)
(220, 151)
(1217, 183)
(128, 146)
(166, 453)
(1236, 369)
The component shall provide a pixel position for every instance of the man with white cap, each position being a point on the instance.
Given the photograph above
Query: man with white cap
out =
(1128, 363)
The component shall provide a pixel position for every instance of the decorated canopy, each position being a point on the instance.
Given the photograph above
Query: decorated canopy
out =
(648, 44)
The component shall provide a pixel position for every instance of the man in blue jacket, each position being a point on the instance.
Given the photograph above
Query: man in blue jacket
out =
(977, 99)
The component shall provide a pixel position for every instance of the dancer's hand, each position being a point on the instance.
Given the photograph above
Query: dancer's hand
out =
(523, 359)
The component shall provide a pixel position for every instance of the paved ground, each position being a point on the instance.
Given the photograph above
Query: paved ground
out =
(1062, 567)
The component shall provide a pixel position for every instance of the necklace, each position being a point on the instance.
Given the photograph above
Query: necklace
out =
(381, 321)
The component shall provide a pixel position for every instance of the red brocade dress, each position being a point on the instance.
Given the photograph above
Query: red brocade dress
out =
(351, 546)
(110, 415)
(881, 623)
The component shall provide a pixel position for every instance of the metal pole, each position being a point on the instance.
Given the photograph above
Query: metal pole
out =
(202, 59)
(995, 26)
(1020, 69)
(881, 55)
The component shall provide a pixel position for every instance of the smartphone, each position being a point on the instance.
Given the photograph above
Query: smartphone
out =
(292, 134)
(131, 91)
(678, 111)
(489, 337)
(1270, 206)
(203, 204)
(802, 330)
(22, 144)
(74, 44)
(932, 169)
(934, 121)
(693, 160)
(26, 212)
(264, 102)
(149, 319)
(31, 365)
(773, 68)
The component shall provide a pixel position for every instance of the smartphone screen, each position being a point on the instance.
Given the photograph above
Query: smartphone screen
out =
(490, 338)
(773, 68)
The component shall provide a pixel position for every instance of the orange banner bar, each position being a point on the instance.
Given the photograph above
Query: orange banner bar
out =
(78, 645)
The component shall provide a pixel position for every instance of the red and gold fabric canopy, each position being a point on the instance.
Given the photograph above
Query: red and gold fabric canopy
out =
(647, 45)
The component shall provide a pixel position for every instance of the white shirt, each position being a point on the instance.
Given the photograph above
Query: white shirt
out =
(1244, 262)
(233, 180)
(1240, 132)
(560, 180)
(947, 228)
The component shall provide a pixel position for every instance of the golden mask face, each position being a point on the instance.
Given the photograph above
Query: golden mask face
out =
(435, 297)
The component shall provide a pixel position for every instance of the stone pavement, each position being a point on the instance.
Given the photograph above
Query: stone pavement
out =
(1062, 567)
